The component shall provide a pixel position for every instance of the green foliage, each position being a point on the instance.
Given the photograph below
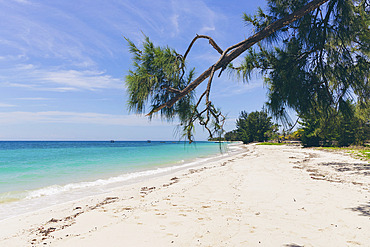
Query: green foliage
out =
(251, 127)
(359, 152)
(217, 139)
(319, 61)
(296, 135)
(334, 129)
(271, 143)
(157, 69)
(159, 77)
(231, 136)
(364, 154)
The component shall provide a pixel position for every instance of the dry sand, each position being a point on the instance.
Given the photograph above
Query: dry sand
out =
(264, 196)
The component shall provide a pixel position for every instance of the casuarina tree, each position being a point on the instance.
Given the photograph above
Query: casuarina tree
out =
(313, 55)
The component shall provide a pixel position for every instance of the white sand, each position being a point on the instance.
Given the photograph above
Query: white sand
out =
(265, 196)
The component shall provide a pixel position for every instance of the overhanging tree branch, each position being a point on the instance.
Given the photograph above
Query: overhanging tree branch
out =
(238, 49)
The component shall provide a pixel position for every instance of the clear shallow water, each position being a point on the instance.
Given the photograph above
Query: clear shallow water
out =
(39, 169)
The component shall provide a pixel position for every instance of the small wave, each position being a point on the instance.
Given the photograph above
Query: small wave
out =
(7, 200)
(11, 196)
(56, 189)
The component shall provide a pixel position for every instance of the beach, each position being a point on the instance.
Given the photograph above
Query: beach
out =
(261, 196)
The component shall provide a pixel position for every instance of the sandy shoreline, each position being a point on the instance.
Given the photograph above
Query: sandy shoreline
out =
(60, 191)
(264, 196)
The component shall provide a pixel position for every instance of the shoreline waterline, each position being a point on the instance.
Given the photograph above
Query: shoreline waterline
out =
(31, 200)
(233, 200)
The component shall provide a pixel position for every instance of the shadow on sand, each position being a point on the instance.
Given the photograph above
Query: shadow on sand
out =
(362, 168)
(363, 209)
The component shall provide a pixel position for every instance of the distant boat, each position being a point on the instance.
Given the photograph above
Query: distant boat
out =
(149, 141)
(111, 141)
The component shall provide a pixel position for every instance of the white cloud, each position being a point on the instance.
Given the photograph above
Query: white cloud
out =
(52, 31)
(196, 15)
(175, 22)
(18, 85)
(6, 105)
(206, 29)
(60, 89)
(22, 1)
(34, 98)
(19, 117)
(31, 77)
(90, 80)
(168, 19)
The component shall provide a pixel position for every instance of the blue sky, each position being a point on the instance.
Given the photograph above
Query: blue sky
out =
(63, 63)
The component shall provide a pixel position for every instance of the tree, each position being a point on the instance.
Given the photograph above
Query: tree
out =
(231, 136)
(318, 61)
(160, 73)
(254, 126)
(334, 128)
(362, 113)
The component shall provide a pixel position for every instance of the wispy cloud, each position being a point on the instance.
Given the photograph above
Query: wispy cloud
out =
(90, 80)
(195, 15)
(31, 77)
(22, 1)
(175, 22)
(206, 29)
(52, 31)
(169, 19)
(224, 89)
(34, 99)
(65, 36)
(19, 117)
(6, 105)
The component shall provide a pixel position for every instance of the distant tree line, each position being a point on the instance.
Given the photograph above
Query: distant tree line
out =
(350, 127)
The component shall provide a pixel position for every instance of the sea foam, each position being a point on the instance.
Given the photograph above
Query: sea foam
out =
(22, 201)
(57, 189)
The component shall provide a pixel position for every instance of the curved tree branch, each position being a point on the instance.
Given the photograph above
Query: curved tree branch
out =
(210, 40)
(238, 49)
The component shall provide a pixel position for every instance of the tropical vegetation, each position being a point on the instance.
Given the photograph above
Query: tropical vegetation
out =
(313, 56)
(256, 126)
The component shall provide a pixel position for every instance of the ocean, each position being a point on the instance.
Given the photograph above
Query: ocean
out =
(36, 174)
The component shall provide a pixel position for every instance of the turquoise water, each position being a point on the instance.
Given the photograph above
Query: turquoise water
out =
(34, 169)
